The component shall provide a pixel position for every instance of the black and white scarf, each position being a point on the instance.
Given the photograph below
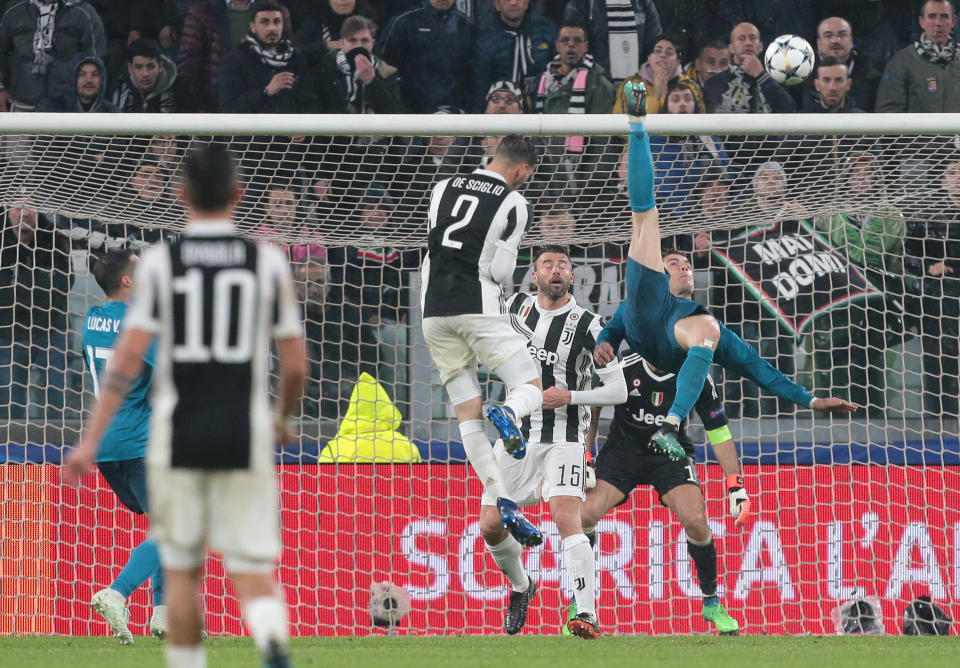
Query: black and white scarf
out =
(933, 52)
(43, 37)
(354, 86)
(623, 38)
(522, 55)
(276, 58)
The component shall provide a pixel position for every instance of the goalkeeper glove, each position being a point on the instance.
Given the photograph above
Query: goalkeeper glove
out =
(739, 501)
(591, 477)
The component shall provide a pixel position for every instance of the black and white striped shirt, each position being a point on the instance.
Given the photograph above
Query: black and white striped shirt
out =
(561, 343)
(214, 301)
(470, 218)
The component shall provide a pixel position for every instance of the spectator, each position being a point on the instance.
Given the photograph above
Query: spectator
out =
(622, 33)
(933, 250)
(852, 342)
(322, 327)
(211, 29)
(517, 47)
(772, 17)
(431, 47)
(832, 85)
(84, 92)
(147, 85)
(266, 73)
(835, 44)
(353, 80)
(34, 282)
(712, 58)
(281, 222)
(38, 39)
(661, 69)
(681, 160)
(746, 88)
(924, 77)
(322, 25)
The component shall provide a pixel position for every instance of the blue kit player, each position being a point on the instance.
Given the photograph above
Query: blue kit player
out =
(677, 334)
(121, 455)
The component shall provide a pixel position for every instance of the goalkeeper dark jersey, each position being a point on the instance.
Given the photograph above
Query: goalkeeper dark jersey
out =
(649, 396)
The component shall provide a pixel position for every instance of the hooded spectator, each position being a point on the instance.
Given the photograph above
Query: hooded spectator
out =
(85, 92)
(148, 84)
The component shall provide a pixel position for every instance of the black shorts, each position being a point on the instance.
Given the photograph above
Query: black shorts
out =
(629, 465)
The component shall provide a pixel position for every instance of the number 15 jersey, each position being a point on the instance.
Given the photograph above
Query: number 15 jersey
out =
(470, 218)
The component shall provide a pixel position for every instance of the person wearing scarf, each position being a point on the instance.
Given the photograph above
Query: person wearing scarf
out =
(925, 76)
(265, 73)
(354, 81)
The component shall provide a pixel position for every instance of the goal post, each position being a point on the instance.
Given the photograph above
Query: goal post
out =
(825, 240)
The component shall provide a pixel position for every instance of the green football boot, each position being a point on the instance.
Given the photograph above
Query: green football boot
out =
(725, 624)
(571, 614)
(666, 442)
(635, 96)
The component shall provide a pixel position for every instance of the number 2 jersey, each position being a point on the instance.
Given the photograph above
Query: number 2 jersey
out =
(126, 437)
(214, 301)
(650, 394)
(470, 218)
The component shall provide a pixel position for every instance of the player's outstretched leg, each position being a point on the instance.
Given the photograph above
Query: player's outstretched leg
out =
(645, 239)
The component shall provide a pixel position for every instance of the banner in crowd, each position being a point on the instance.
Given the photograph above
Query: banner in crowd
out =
(820, 535)
(794, 272)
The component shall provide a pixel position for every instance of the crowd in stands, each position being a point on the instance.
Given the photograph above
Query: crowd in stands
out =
(497, 56)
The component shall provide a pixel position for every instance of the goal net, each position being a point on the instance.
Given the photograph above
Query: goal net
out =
(830, 244)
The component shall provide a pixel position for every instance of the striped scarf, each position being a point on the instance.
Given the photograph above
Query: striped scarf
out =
(43, 36)
(552, 80)
(275, 58)
(624, 42)
(522, 55)
(933, 52)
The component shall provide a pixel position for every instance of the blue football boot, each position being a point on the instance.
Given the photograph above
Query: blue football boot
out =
(505, 422)
(518, 525)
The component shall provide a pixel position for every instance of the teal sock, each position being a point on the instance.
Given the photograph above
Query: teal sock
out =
(711, 600)
(690, 381)
(156, 583)
(143, 564)
(640, 169)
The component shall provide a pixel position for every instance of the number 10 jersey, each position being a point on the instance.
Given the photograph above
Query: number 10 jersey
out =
(470, 218)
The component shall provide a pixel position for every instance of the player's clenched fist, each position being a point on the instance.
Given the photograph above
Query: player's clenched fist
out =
(603, 354)
(739, 501)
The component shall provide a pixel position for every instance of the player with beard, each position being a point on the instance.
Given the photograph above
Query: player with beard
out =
(562, 336)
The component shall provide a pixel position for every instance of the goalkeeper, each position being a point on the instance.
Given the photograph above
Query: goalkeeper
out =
(677, 334)
(121, 455)
(625, 462)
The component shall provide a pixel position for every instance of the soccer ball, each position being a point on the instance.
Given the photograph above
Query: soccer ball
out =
(388, 604)
(789, 59)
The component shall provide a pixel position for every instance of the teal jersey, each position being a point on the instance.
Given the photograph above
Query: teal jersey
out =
(126, 437)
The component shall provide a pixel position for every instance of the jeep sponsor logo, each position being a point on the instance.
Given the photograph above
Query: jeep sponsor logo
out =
(548, 357)
(641, 415)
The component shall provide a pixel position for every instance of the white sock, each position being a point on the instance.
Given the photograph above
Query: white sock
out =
(580, 568)
(507, 554)
(266, 617)
(524, 399)
(479, 451)
(179, 656)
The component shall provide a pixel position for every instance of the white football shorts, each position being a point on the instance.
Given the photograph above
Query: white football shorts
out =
(458, 342)
(232, 512)
(548, 470)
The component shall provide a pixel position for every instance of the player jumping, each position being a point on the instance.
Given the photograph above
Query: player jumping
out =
(625, 462)
(120, 457)
(562, 337)
(677, 334)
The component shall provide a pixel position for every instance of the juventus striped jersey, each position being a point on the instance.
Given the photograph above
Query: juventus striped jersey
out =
(470, 217)
(213, 300)
(561, 342)
(650, 394)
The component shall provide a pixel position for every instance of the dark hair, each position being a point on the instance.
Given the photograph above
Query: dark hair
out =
(356, 23)
(210, 177)
(110, 270)
(712, 43)
(573, 23)
(676, 40)
(265, 6)
(550, 248)
(678, 84)
(517, 150)
(830, 61)
(145, 48)
(673, 250)
(713, 174)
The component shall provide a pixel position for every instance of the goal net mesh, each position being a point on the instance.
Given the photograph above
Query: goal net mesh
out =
(834, 255)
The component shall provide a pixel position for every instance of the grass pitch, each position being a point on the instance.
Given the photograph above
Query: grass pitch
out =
(505, 652)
